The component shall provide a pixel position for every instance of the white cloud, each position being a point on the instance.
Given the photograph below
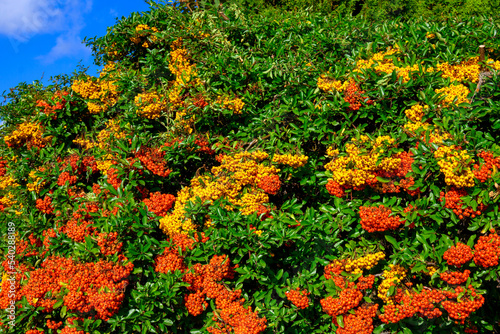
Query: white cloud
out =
(22, 19)
(67, 45)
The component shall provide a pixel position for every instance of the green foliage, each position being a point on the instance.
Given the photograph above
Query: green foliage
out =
(89, 157)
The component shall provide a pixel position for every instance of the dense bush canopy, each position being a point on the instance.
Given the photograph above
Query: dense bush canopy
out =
(235, 171)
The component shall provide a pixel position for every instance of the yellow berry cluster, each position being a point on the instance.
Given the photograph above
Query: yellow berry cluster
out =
(7, 181)
(465, 71)
(416, 112)
(27, 133)
(37, 182)
(292, 160)
(431, 270)
(102, 91)
(8, 200)
(150, 105)
(236, 104)
(112, 131)
(235, 180)
(454, 94)
(364, 158)
(383, 62)
(332, 152)
(430, 35)
(185, 74)
(84, 143)
(367, 262)
(105, 163)
(392, 277)
(415, 123)
(141, 31)
(455, 163)
(327, 84)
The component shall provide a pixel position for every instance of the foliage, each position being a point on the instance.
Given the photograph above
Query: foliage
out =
(258, 172)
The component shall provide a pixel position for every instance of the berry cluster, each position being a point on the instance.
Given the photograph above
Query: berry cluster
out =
(454, 163)
(291, 160)
(102, 92)
(367, 164)
(465, 304)
(458, 255)
(48, 108)
(487, 250)
(45, 205)
(204, 147)
(144, 34)
(152, 159)
(66, 177)
(410, 303)
(359, 322)
(27, 133)
(378, 219)
(455, 277)
(231, 314)
(298, 298)
(483, 172)
(109, 243)
(159, 203)
(96, 289)
(348, 299)
(270, 184)
(235, 105)
(354, 96)
(453, 201)
(150, 105)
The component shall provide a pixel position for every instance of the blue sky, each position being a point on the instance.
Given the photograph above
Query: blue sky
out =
(44, 37)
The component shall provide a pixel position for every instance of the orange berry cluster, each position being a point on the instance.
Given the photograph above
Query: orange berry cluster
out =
(359, 322)
(348, 299)
(464, 306)
(45, 205)
(200, 102)
(354, 96)
(152, 159)
(66, 177)
(487, 250)
(3, 166)
(204, 147)
(335, 189)
(109, 243)
(411, 303)
(113, 179)
(96, 289)
(203, 279)
(231, 314)
(455, 277)
(270, 184)
(159, 203)
(458, 255)
(58, 99)
(53, 325)
(170, 261)
(71, 330)
(453, 201)
(34, 331)
(483, 172)
(298, 298)
(378, 219)
(23, 246)
(77, 230)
